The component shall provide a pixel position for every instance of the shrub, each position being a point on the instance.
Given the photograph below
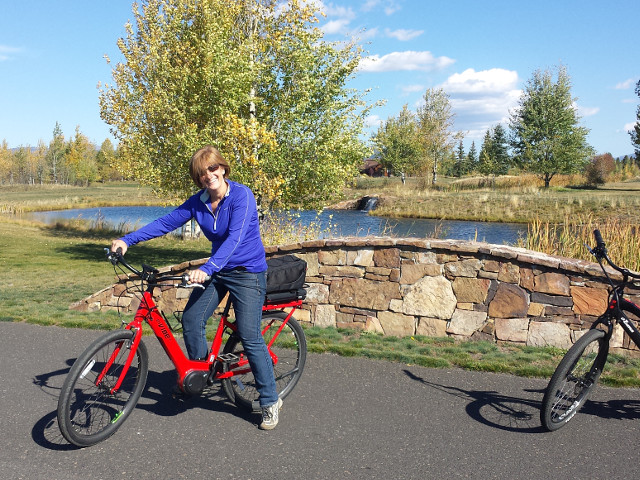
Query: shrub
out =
(599, 168)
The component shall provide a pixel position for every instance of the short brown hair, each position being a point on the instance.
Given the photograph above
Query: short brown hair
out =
(204, 157)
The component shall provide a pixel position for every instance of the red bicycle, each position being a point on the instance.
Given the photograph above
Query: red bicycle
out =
(106, 381)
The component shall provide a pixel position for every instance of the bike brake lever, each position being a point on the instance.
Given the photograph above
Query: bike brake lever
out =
(111, 256)
(591, 250)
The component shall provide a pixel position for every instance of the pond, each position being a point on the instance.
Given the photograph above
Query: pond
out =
(343, 223)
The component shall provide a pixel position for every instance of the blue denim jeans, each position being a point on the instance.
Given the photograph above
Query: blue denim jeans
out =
(247, 291)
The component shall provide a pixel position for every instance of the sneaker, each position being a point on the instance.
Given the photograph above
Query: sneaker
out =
(270, 415)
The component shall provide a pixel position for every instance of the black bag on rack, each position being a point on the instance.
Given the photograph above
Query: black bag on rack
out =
(285, 273)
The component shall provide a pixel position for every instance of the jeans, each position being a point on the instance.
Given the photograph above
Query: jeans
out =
(247, 291)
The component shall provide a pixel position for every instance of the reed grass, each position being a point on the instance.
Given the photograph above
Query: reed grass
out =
(569, 239)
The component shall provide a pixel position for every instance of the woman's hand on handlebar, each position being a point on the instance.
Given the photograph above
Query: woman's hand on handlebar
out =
(119, 244)
(197, 276)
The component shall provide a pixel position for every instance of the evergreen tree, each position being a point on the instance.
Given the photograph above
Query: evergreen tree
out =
(635, 133)
(486, 163)
(459, 168)
(472, 158)
(500, 150)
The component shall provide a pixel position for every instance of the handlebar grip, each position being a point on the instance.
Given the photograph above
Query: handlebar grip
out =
(599, 240)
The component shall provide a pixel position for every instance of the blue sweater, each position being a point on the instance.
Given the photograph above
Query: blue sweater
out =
(233, 229)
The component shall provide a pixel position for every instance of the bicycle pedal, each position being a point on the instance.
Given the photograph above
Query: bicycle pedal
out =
(228, 358)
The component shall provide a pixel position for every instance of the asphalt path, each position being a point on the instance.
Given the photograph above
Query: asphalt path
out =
(348, 418)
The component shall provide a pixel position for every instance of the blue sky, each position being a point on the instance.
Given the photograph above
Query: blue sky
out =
(480, 53)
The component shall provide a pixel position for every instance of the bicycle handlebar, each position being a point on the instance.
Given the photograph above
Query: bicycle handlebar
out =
(149, 273)
(600, 252)
(599, 240)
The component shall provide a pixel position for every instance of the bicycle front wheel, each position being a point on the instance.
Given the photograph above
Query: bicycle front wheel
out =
(88, 410)
(290, 348)
(574, 379)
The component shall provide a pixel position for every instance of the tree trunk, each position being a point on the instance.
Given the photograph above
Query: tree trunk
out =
(434, 177)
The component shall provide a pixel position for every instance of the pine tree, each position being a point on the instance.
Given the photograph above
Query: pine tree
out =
(459, 168)
(500, 151)
(486, 162)
(472, 158)
(635, 133)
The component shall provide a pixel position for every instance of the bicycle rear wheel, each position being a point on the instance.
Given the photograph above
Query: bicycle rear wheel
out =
(574, 379)
(290, 347)
(88, 412)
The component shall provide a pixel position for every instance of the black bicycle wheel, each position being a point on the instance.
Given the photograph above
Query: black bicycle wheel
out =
(574, 379)
(290, 347)
(88, 412)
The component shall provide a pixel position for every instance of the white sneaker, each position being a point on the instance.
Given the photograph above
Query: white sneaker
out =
(270, 415)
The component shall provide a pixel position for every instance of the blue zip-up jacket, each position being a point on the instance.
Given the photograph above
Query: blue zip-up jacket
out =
(233, 229)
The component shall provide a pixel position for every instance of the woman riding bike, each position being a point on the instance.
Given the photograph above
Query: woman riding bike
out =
(227, 214)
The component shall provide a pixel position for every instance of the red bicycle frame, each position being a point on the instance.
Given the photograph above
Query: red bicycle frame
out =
(148, 312)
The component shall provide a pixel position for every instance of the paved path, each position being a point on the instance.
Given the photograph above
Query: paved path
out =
(348, 418)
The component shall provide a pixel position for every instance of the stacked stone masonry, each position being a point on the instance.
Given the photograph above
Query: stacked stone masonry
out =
(401, 287)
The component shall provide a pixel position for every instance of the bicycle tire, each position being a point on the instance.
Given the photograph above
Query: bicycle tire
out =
(290, 346)
(90, 413)
(574, 379)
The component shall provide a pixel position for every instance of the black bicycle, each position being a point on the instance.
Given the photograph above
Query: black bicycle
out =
(578, 372)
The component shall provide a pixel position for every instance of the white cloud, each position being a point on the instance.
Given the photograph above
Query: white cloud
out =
(388, 6)
(627, 84)
(369, 5)
(404, 61)
(373, 121)
(482, 99)
(403, 35)
(587, 111)
(335, 26)
(391, 7)
(495, 80)
(7, 52)
(331, 10)
(629, 126)
(408, 89)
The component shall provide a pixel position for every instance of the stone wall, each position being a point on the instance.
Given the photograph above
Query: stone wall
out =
(432, 287)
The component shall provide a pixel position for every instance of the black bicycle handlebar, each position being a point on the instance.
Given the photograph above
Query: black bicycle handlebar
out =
(600, 252)
(599, 240)
(149, 273)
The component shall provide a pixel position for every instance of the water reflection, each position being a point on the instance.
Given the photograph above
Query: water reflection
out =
(338, 222)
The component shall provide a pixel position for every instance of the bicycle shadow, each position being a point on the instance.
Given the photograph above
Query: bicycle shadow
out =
(156, 398)
(523, 414)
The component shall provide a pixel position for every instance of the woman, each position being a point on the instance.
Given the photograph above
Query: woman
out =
(227, 214)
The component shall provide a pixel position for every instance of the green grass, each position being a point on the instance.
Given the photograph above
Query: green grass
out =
(29, 198)
(481, 356)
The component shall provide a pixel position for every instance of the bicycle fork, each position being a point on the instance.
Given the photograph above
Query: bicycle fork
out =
(132, 346)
